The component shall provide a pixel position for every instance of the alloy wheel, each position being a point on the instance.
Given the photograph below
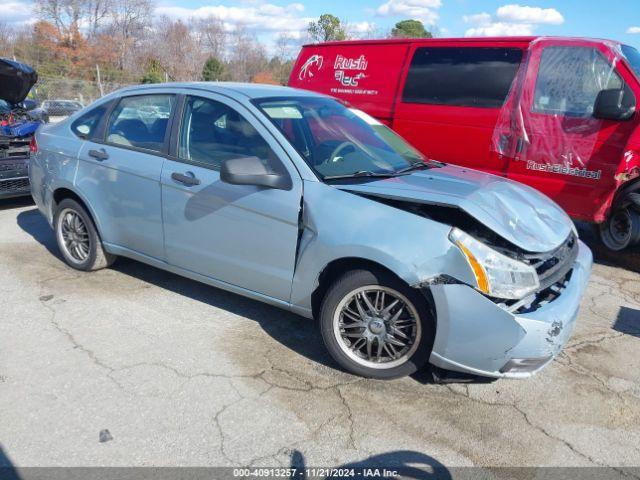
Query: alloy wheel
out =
(74, 235)
(377, 327)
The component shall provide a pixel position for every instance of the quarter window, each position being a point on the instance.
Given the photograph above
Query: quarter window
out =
(141, 122)
(85, 126)
(465, 77)
(213, 132)
(569, 80)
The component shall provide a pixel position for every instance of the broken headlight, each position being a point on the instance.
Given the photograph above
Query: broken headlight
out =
(496, 274)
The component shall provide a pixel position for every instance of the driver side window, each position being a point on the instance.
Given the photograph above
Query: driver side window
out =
(212, 132)
(569, 80)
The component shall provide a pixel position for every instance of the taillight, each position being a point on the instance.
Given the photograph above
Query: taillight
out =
(33, 146)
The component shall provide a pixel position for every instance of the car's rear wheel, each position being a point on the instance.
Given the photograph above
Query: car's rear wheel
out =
(78, 239)
(621, 229)
(374, 325)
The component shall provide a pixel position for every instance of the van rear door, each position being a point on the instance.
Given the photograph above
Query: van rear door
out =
(560, 148)
(365, 74)
(452, 97)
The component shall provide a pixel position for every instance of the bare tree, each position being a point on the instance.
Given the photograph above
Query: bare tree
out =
(66, 15)
(99, 12)
(178, 49)
(287, 46)
(212, 36)
(129, 20)
(6, 39)
(247, 56)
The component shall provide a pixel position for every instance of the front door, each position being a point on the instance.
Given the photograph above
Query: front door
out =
(560, 148)
(243, 235)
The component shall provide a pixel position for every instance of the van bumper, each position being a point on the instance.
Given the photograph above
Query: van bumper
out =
(476, 336)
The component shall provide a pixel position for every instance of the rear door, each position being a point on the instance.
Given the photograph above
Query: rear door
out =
(562, 150)
(119, 173)
(452, 97)
(242, 235)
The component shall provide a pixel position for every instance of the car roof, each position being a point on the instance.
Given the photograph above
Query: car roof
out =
(232, 89)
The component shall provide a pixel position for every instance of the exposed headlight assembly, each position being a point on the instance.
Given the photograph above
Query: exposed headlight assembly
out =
(496, 274)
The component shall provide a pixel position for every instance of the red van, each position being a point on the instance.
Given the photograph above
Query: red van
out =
(558, 114)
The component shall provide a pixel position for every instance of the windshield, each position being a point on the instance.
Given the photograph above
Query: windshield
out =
(633, 57)
(339, 142)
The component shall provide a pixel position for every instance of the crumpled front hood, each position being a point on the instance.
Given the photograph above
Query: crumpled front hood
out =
(517, 213)
(16, 80)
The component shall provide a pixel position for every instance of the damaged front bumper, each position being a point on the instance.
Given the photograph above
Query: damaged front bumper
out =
(477, 336)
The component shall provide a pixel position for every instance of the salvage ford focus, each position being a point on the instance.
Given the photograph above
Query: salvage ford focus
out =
(293, 199)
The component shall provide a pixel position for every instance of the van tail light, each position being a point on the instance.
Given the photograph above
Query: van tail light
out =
(33, 146)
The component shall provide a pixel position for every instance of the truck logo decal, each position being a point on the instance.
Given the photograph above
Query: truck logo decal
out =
(342, 64)
(313, 63)
(348, 81)
(564, 170)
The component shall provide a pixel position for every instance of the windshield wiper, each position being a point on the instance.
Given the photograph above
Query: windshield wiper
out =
(361, 174)
(420, 166)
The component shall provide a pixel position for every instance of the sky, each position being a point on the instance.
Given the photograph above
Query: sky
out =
(614, 19)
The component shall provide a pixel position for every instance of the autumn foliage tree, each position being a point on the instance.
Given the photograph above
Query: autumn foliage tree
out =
(121, 42)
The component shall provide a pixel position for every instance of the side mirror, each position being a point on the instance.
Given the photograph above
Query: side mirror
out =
(251, 171)
(615, 104)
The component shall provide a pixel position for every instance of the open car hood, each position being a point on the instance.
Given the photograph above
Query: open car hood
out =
(519, 214)
(16, 80)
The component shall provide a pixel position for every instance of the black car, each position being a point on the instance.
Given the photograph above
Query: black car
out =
(61, 108)
(17, 125)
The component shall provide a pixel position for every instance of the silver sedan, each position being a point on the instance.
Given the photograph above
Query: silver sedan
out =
(296, 200)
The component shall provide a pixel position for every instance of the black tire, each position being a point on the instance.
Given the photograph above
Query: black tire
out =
(337, 298)
(96, 257)
(621, 229)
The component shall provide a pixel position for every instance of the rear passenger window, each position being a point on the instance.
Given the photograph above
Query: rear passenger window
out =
(85, 126)
(465, 77)
(213, 132)
(141, 121)
(569, 80)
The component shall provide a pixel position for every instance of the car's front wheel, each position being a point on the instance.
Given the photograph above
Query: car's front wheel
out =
(78, 239)
(376, 326)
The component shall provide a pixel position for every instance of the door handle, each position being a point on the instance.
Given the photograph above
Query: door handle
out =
(187, 179)
(100, 155)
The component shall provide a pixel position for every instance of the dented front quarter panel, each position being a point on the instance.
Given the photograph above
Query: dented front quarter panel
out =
(339, 225)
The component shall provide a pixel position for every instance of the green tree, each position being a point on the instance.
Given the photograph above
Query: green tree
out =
(213, 70)
(327, 28)
(153, 73)
(410, 29)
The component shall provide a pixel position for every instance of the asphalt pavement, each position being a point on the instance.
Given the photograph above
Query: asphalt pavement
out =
(135, 366)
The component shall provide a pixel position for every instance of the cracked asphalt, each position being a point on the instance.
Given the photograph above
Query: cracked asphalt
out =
(182, 374)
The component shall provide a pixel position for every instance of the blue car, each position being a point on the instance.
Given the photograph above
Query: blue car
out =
(296, 200)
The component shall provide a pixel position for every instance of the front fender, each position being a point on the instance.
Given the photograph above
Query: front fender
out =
(338, 224)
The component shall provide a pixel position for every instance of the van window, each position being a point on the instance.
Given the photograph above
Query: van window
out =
(140, 121)
(569, 80)
(633, 57)
(213, 132)
(465, 77)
